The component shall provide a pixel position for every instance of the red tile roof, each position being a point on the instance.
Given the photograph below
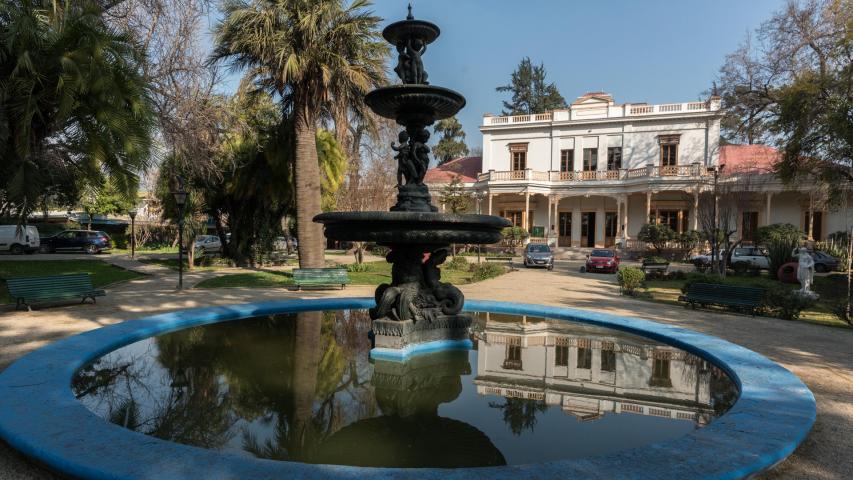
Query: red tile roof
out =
(739, 158)
(467, 167)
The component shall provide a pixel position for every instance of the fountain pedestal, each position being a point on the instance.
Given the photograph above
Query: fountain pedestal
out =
(416, 310)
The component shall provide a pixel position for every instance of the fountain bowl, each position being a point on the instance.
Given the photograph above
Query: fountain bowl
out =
(412, 228)
(400, 31)
(415, 104)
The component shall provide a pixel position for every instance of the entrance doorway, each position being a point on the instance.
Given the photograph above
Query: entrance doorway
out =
(588, 229)
(609, 229)
(817, 226)
(564, 230)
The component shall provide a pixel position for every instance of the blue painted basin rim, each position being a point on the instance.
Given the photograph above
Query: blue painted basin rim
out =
(40, 417)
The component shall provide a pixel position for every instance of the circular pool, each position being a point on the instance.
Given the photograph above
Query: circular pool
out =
(289, 388)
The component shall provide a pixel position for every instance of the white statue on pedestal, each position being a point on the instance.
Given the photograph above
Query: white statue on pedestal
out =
(805, 271)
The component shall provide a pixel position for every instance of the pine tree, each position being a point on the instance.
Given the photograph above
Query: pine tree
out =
(531, 93)
(452, 141)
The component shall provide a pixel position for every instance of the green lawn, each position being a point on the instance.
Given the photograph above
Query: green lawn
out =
(378, 272)
(102, 273)
(831, 288)
(143, 249)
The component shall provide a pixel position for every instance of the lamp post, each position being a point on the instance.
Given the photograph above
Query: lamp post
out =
(714, 247)
(132, 214)
(479, 195)
(180, 200)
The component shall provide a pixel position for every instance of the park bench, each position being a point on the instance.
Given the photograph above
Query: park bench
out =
(505, 259)
(320, 277)
(655, 267)
(58, 287)
(745, 298)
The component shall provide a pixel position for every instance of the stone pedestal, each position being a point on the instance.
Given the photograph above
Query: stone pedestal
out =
(399, 334)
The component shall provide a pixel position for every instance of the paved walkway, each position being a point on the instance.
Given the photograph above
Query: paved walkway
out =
(821, 356)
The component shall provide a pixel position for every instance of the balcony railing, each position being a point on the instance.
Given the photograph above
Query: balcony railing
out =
(652, 171)
(612, 111)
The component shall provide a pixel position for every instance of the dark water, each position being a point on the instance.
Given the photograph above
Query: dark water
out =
(302, 387)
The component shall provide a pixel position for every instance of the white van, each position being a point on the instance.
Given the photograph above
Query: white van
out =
(13, 240)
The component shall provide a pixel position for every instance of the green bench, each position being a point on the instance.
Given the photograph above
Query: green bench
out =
(320, 277)
(745, 298)
(59, 287)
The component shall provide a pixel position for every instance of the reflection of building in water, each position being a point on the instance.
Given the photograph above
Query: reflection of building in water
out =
(590, 371)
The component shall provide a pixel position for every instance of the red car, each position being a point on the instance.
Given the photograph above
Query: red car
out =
(602, 260)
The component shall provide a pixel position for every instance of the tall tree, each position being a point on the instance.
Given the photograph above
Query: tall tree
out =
(531, 92)
(316, 56)
(72, 98)
(452, 141)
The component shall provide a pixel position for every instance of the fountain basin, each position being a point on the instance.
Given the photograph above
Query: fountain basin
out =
(40, 416)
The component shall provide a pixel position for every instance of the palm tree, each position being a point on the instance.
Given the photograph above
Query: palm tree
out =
(317, 56)
(73, 103)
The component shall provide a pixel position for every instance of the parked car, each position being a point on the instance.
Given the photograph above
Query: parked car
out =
(823, 262)
(280, 243)
(538, 255)
(208, 244)
(602, 260)
(89, 241)
(18, 240)
(748, 258)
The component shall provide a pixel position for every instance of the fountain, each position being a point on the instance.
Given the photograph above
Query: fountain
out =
(416, 310)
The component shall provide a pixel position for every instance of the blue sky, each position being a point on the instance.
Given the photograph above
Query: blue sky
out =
(640, 51)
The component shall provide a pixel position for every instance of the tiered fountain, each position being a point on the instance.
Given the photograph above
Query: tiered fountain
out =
(416, 308)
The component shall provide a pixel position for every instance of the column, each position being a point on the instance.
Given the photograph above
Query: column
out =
(625, 219)
(695, 209)
(599, 225)
(548, 220)
(680, 221)
(767, 209)
(556, 217)
(619, 216)
(648, 207)
(810, 226)
(576, 226)
(490, 203)
(525, 217)
(577, 161)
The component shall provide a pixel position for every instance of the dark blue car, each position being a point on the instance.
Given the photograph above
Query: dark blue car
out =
(89, 241)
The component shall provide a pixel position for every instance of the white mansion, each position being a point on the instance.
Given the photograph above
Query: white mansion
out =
(594, 173)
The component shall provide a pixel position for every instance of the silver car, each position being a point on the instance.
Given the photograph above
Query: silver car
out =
(538, 255)
(208, 244)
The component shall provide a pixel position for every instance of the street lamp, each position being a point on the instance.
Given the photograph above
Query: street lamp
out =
(714, 253)
(479, 195)
(180, 200)
(132, 214)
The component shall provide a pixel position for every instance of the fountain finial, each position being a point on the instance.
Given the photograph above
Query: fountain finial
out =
(410, 16)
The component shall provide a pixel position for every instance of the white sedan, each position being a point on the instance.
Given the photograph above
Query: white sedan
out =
(208, 244)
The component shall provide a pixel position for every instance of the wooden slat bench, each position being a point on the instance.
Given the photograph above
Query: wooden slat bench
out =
(58, 287)
(747, 298)
(655, 267)
(320, 277)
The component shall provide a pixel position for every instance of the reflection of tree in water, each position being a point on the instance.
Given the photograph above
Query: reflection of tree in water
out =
(520, 413)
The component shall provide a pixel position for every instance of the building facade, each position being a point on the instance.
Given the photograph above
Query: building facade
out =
(593, 174)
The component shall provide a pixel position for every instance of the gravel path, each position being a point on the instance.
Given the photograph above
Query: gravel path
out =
(821, 356)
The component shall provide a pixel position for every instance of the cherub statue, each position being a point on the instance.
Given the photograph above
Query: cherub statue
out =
(404, 64)
(415, 49)
(420, 152)
(405, 166)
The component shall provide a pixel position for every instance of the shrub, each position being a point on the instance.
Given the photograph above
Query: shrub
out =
(630, 279)
(483, 271)
(675, 275)
(654, 259)
(357, 267)
(656, 234)
(458, 263)
(378, 250)
(697, 277)
(687, 242)
(782, 302)
(780, 240)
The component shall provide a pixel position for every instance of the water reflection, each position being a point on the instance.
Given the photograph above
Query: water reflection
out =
(590, 371)
(302, 388)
